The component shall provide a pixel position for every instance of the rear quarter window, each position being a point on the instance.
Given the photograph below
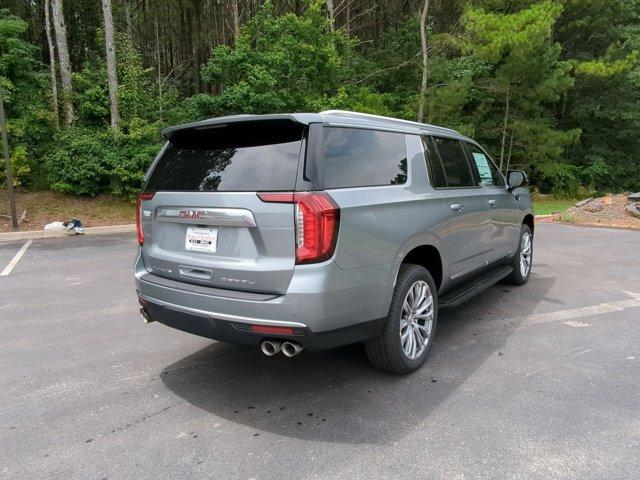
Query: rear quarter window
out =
(454, 161)
(361, 158)
(436, 171)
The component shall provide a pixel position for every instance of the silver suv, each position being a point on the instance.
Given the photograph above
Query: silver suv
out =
(310, 230)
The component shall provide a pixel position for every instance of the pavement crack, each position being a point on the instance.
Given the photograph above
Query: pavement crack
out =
(138, 421)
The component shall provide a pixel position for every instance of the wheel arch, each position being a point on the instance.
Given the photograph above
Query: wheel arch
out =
(528, 220)
(427, 256)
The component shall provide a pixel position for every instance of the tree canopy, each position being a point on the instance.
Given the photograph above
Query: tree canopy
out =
(549, 86)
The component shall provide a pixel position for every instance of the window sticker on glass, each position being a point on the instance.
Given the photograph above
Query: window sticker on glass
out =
(483, 168)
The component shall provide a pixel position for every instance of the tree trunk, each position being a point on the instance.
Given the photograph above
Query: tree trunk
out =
(348, 20)
(52, 63)
(112, 76)
(235, 15)
(332, 14)
(159, 71)
(425, 59)
(513, 134)
(63, 55)
(504, 125)
(128, 18)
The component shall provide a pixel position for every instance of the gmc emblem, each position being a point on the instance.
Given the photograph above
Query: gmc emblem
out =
(191, 214)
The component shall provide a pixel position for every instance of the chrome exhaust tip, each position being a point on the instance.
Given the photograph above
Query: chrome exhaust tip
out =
(270, 347)
(291, 349)
(145, 316)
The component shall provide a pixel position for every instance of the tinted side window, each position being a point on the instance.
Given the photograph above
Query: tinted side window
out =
(358, 158)
(454, 162)
(434, 165)
(490, 176)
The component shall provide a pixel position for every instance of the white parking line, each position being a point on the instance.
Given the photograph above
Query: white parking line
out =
(614, 306)
(16, 259)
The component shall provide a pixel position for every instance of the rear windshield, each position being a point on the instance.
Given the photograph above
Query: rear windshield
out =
(252, 156)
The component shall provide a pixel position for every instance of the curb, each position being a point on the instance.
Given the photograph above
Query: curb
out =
(108, 230)
(33, 234)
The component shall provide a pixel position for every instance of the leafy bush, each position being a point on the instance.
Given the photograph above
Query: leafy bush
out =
(593, 174)
(90, 161)
(78, 164)
(563, 180)
(560, 179)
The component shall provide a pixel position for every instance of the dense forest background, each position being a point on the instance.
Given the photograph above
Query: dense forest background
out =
(552, 87)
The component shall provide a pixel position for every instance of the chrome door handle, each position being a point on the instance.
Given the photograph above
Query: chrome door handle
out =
(457, 207)
(493, 203)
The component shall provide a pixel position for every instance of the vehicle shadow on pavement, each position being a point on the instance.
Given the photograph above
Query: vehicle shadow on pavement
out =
(336, 395)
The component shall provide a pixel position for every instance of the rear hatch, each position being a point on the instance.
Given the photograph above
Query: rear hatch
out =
(202, 220)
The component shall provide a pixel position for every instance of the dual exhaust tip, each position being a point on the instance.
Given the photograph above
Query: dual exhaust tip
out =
(273, 347)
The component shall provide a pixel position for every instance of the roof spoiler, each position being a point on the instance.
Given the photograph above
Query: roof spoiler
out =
(196, 129)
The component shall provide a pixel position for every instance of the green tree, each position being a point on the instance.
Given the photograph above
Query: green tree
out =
(280, 63)
(90, 158)
(30, 120)
(137, 94)
(602, 40)
(524, 78)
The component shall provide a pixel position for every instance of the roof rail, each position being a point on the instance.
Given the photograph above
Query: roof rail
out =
(381, 117)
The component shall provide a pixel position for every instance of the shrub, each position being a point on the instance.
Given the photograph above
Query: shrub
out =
(560, 179)
(90, 161)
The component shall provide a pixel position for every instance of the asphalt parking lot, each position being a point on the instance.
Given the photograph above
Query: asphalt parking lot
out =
(539, 381)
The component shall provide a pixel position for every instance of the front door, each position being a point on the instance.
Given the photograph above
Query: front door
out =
(503, 207)
(466, 238)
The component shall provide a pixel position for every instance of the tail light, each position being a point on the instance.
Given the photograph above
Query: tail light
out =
(317, 219)
(141, 198)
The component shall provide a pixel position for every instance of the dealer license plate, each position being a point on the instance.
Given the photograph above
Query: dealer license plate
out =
(201, 239)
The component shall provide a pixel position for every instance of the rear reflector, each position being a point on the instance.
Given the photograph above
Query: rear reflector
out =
(272, 330)
(317, 220)
(141, 198)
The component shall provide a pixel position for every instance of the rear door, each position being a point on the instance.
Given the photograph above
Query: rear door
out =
(205, 223)
(466, 237)
(502, 204)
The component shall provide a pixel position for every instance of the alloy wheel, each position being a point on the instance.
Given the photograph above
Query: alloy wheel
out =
(416, 320)
(526, 247)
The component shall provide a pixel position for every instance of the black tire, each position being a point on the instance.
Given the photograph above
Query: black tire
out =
(517, 277)
(386, 352)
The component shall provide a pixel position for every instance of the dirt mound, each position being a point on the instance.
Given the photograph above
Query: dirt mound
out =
(611, 210)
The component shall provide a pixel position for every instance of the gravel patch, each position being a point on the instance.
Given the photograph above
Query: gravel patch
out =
(611, 210)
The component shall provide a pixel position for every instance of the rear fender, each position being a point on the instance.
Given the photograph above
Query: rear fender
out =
(418, 240)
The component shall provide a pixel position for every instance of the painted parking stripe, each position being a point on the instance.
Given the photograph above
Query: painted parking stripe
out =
(572, 313)
(15, 259)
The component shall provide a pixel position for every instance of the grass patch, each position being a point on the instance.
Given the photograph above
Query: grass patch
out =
(566, 217)
(548, 206)
(46, 207)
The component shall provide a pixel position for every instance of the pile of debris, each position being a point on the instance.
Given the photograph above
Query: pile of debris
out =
(612, 210)
(74, 226)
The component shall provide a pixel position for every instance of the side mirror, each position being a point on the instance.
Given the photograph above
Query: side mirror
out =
(515, 179)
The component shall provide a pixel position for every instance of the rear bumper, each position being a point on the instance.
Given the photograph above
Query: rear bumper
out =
(324, 306)
(242, 334)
